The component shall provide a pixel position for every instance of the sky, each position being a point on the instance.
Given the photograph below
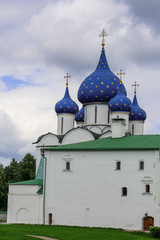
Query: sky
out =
(40, 41)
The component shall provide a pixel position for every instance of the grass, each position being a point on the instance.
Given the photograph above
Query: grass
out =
(19, 232)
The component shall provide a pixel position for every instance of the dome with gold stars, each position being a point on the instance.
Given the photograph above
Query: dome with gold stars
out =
(66, 104)
(120, 103)
(100, 86)
(80, 115)
(137, 113)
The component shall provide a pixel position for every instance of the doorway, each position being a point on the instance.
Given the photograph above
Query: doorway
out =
(50, 218)
(147, 223)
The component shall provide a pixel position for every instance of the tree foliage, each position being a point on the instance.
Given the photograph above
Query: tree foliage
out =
(15, 172)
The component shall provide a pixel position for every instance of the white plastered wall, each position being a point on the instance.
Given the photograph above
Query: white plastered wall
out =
(102, 114)
(138, 127)
(48, 139)
(66, 124)
(77, 135)
(90, 193)
(24, 204)
(124, 115)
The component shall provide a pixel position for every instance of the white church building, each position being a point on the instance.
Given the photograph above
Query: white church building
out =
(103, 172)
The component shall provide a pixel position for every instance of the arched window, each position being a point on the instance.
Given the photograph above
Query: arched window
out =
(50, 218)
(118, 165)
(124, 191)
(132, 129)
(62, 125)
(67, 165)
(141, 165)
(95, 114)
(147, 188)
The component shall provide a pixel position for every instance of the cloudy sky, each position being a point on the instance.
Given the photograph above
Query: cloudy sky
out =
(42, 40)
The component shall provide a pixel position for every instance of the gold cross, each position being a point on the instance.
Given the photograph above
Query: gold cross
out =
(67, 76)
(121, 73)
(135, 85)
(103, 34)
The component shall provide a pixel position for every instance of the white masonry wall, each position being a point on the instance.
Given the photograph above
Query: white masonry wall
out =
(24, 204)
(66, 124)
(90, 193)
(138, 127)
(102, 114)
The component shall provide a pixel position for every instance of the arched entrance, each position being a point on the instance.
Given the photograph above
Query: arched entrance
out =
(147, 223)
(22, 216)
(50, 218)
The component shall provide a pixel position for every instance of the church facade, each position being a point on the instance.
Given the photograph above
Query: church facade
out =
(102, 173)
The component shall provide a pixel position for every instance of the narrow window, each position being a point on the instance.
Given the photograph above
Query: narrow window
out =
(118, 165)
(147, 188)
(95, 114)
(108, 116)
(85, 114)
(67, 165)
(132, 129)
(62, 125)
(141, 165)
(124, 191)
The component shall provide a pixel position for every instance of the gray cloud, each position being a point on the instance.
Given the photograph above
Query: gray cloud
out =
(10, 141)
(145, 11)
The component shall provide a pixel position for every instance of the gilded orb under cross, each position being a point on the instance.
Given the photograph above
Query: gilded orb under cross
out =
(103, 34)
(67, 76)
(120, 74)
(135, 85)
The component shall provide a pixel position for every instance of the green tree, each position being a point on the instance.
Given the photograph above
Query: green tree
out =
(12, 172)
(15, 172)
(27, 167)
(3, 188)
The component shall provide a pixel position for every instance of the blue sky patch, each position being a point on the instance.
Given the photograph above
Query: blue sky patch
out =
(12, 83)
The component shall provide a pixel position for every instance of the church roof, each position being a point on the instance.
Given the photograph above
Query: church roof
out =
(40, 170)
(132, 142)
(38, 179)
(101, 85)
(29, 182)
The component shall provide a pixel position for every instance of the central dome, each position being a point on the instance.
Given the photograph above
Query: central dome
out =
(100, 86)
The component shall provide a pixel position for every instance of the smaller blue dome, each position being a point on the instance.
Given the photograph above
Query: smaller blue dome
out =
(66, 104)
(80, 115)
(137, 113)
(120, 102)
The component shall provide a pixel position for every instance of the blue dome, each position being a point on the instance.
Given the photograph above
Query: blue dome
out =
(101, 86)
(137, 113)
(66, 105)
(80, 115)
(120, 103)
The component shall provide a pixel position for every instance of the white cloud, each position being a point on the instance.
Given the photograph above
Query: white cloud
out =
(5, 161)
